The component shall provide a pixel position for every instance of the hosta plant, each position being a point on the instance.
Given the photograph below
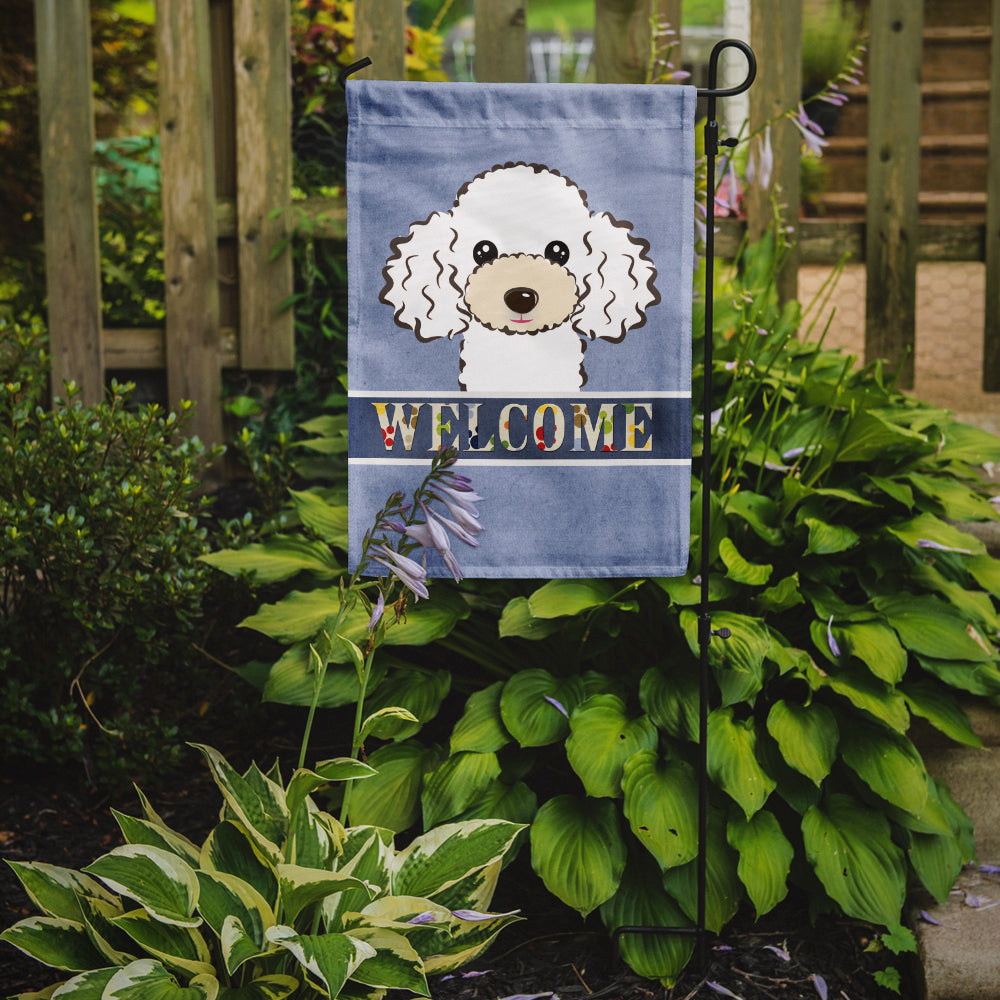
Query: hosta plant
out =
(279, 900)
(855, 604)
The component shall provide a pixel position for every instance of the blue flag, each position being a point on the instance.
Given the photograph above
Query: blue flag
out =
(520, 262)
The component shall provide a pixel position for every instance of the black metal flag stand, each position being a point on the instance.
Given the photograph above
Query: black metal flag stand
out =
(705, 631)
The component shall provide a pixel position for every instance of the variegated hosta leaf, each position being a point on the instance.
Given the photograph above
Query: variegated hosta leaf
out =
(807, 736)
(274, 987)
(395, 964)
(329, 959)
(177, 947)
(535, 706)
(481, 727)
(723, 889)
(147, 979)
(116, 947)
(86, 986)
(476, 890)
(456, 784)
(468, 939)
(304, 782)
(56, 891)
(367, 853)
(300, 887)
(661, 800)
(642, 902)
(54, 941)
(158, 880)
(732, 760)
(441, 857)
(230, 849)
(850, 847)
(765, 858)
(315, 838)
(578, 851)
(225, 897)
(256, 801)
(602, 737)
(141, 831)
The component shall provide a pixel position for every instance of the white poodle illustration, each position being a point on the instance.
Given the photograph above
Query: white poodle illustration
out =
(526, 274)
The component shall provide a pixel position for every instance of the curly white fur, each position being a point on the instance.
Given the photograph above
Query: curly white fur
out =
(526, 274)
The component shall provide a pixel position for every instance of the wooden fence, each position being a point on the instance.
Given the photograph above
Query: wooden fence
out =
(226, 161)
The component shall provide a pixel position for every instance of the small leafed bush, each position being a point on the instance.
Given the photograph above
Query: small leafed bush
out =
(99, 578)
(280, 899)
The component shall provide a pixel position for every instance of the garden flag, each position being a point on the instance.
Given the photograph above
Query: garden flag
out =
(520, 274)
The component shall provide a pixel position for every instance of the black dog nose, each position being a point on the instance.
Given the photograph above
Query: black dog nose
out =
(521, 300)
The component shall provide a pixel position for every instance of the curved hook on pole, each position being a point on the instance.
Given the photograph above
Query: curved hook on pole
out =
(353, 68)
(713, 69)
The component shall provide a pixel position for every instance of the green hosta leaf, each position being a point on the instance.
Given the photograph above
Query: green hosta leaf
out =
(661, 799)
(986, 572)
(391, 798)
(385, 723)
(141, 831)
(965, 443)
(941, 709)
(443, 856)
(888, 763)
(481, 728)
(415, 689)
(928, 528)
(850, 847)
(765, 858)
(864, 692)
(456, 784)
(739, 569)
(893, 488)
(180, 948)
(876, 646)
(869, 436)
(723, 889)
(558, 598)
(957, 501)
(738, 661)
(275, 987)
(807, 736)
(976, 605)
(783, 595)
(301, 887)
(56, 891)
(395, 964)
(758, 511)
(732, 760)
(641, 901)
(279, 558)
(54, 941)
(683, 591)
(260, 809)
(578, 851)
(827, 539)
(602, 738)
(671, 699)
(515, 803)
(330, 959)
(292, 681)
(517, 620)
(976, 678)
(147, 979)
(327, 520)
(230, 849)
(304, 782)
(931, 628)
(163, 884)
(528, 710)
(937, 859)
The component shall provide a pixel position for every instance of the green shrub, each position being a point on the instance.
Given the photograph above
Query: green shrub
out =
(99, 539)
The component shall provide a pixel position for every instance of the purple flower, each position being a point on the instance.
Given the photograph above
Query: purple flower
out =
(475, 915)
(427, 917)
(457, 530)
(761, 163)
(464, 514)
(780, 952)
(834, 648)
(558, 705)
(377, 612)
(719, 988)
(811, 132)
(820, 983)
(411, 574)
(927, 543)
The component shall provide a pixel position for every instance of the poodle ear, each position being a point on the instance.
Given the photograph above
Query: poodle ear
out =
(618, 285)
(420, 280)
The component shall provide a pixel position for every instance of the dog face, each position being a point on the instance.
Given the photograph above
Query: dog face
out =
(520, 253)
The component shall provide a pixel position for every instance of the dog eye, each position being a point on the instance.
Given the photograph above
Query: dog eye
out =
(557, 252)
(484, 252)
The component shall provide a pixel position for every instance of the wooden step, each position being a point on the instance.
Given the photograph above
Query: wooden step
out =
(957, 206)
(947, 162)
(956, 53)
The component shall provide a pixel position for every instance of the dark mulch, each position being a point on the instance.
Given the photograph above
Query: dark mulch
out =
(551, 951)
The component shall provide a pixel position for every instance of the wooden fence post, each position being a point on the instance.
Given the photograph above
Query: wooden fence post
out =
(776, 35)
(190, 252)
(72, 255)
(622, 40)
(501, 41)
(991, 332)
(893, 183)
(380, 34)
(262, 61)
